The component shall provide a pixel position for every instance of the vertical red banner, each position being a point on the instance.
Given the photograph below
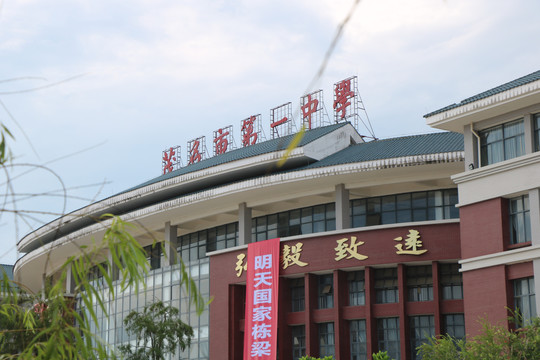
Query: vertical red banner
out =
(260, 332)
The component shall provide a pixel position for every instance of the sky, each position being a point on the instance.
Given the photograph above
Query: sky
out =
(117, 82)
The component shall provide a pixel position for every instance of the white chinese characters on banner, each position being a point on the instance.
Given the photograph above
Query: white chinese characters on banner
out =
(261, 301)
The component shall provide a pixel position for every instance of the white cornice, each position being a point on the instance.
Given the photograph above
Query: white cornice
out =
(515, 256)
(500, 167)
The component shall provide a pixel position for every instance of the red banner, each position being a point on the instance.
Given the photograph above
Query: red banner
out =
(260, 331)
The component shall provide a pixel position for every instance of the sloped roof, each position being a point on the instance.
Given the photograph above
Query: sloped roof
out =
(509, 85)
(393, 148)
(246, 152)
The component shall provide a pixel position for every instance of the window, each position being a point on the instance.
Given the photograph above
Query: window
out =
(326, 291)
(451, 282)
(422, 328)
(502, 142)
(194, 246)
(357, 291)
(326, 339)
(358, 339)
(153, 255)
(298, 341)
(454, 325)
(297, 294)
(95, 274)
(306, 220)
(420, 283)
(388, 336)
(537, 132)
(520, 223)
(386, 286)
(416, 206)
(524, 300)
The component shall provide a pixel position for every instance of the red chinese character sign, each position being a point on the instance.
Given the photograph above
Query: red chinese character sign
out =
(348, 105)
(252, 130)
(281, 120)
(223, 140)
(171, 160)
(260, 330)
(312, 106)
(345, 99)
(196, 150)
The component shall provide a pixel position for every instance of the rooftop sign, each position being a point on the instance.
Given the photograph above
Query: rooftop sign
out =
(347, 106)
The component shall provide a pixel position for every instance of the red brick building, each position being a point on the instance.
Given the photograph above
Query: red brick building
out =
(383, 242)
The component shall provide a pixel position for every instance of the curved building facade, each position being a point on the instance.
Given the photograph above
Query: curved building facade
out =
(382, 243)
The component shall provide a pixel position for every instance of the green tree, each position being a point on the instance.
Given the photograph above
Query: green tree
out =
(495, 342)
(55, 329)
(158, 330)
(381, 355)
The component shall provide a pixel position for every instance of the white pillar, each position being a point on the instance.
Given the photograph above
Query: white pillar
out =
(343, 213)
(244, 224)
(171, 243)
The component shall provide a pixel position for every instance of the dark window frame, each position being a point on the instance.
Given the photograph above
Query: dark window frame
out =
(496, 142)
(358, 339)
(524, 300)
(325, 291)
(404, 207)
(419, 283)
(422, 327)
(357, 288)
(386, 285)
(327, 341)
(519, 220)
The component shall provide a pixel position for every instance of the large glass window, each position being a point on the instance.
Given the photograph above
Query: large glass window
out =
(502, 142)
(297, 294)
(194, 246)
(358, 339)
(524, 300)
(454, 325)
(422, 328)
(388, 336)
(520, 223)
(326, 291)
(298, 341)
(306, 220)
(420, 283)
(386, 286)
(398, 208)
(326, 339)
(357, 291)
(451, 281)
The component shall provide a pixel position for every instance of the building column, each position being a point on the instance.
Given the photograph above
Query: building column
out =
(343, 214)
(244, 224)
(69, 281)
(534, 214)
(528, 126)
(171, 243)
(470, 142)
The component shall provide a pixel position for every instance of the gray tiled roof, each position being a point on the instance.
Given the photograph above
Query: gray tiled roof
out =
(509, 85)
(396, 147)
(246, 152)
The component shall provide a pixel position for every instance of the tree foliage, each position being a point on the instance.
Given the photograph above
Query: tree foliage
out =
(158, 331)
(495, 342)
(54, 328)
